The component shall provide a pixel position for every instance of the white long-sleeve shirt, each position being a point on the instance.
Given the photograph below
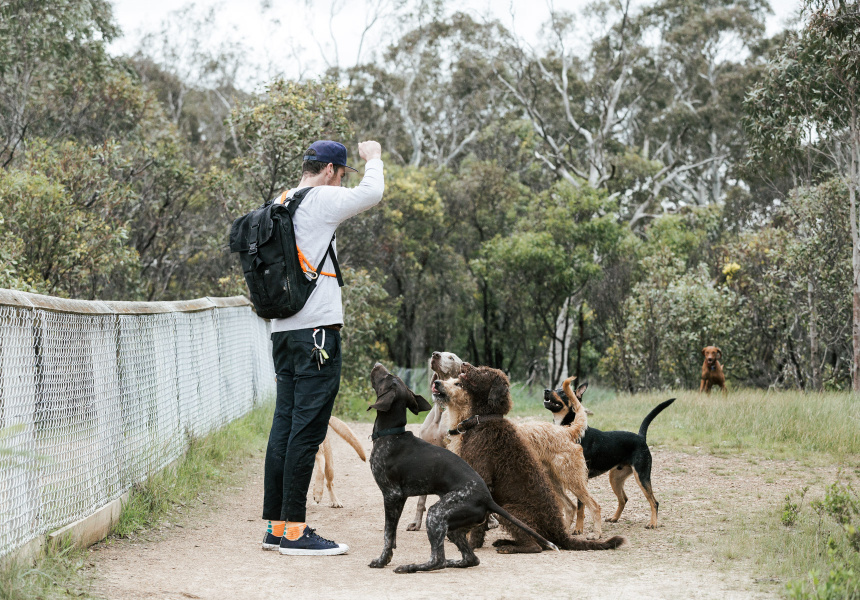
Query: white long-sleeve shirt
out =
(323, 209)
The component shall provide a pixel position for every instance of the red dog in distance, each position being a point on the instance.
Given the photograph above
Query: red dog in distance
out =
(712, 370)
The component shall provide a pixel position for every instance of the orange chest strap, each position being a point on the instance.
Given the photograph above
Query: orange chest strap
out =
(303, 261)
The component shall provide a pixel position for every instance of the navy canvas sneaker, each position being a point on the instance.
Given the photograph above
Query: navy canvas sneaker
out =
(271, 541)
(310, 544)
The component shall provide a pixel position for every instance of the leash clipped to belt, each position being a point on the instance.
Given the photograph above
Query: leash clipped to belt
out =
(472, 422)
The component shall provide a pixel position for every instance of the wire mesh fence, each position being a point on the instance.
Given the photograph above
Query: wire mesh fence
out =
(94, 396)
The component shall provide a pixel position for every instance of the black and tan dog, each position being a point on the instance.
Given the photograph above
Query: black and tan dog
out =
(404, 465)
(622, 453)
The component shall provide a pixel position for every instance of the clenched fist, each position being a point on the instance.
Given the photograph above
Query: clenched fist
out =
(369, 150)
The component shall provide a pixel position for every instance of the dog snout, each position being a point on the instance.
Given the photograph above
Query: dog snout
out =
(436, 355)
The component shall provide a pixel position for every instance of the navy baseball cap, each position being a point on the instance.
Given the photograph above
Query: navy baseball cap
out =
(328, 151)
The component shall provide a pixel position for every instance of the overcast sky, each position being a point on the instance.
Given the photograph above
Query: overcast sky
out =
(286, 37)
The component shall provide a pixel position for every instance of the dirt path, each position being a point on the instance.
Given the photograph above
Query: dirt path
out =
(214, 553)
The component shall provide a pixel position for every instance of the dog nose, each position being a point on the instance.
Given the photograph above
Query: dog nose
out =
(436, 355)
(546, 390)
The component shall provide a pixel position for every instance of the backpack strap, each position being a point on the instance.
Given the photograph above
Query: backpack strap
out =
(295, 202)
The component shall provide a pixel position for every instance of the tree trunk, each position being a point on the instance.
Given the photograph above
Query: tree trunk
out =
(580, 342)
(815, 383)
(855, 256)
(559, 348)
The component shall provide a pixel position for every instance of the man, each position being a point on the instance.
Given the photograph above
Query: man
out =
(306, 346)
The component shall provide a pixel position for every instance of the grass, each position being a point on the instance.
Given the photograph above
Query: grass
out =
(806, 543)
(771, 424)
(209, 463)
(58, 573)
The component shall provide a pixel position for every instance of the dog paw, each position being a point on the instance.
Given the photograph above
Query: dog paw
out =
(611, 520)
(576, 532)
(378, 563)
(651, 526)
(336, 505)
(414, 526)
(405, 569)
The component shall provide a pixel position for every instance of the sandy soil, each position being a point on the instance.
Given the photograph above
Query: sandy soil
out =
(213, 551)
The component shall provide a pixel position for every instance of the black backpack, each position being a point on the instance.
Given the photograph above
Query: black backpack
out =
(266, 242)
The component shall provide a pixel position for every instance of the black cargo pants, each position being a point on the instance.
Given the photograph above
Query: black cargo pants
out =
(305, 397)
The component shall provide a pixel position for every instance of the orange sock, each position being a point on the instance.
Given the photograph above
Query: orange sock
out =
(294, 530)
(276, 528)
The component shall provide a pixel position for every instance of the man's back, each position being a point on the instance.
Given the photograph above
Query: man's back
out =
(323, 209)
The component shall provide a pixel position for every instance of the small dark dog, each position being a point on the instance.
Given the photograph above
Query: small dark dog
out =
(622, 453)
(404, 465)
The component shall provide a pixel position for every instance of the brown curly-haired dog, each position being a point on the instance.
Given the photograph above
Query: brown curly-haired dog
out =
(491, 445)
(558, 450)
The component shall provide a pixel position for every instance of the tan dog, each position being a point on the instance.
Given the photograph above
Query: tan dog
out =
(712, 370)
(324, 461)
(443, 365)
(561, 456)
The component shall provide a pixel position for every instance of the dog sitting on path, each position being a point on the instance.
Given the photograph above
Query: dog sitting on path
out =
(477, 402)
(405, 466)
(324, 460)
(443, 365)
(622, 453)
(561, 456)
(712, 370)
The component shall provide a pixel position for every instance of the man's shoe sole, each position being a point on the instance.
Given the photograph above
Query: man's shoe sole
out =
(342, 549)
(271, 546)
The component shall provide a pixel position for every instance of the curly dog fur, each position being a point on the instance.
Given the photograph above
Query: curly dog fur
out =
(559, 451)
(502, 458)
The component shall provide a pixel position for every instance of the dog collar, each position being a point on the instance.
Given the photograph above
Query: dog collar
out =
(389, 431)
(472, 422)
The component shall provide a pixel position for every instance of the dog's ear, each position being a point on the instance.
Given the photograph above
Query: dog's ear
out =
(581, 390)
(719, 354)
(703, 350)
(385, 399)
(499, 397)
(416, 403)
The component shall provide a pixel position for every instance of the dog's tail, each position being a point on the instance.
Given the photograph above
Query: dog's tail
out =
(343, 430)
(580, 421)
(574, 544)
(538, 538)
(643, 429)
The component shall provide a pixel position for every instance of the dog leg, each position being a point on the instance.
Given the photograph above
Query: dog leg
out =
(476, 536)
(617, 477)
(593, 510)
(329, 476)
(469, 559)
(521, 543)
(318, 474)
(437, 528)
(415, 525)
(393, 510)
(645, 484)
(580, 517)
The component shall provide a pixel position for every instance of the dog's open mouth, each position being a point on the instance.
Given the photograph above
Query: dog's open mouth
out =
(551, 400)
(552, 405)
(439, 393)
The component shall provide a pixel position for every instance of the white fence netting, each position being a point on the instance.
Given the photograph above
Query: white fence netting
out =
(94, 396)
